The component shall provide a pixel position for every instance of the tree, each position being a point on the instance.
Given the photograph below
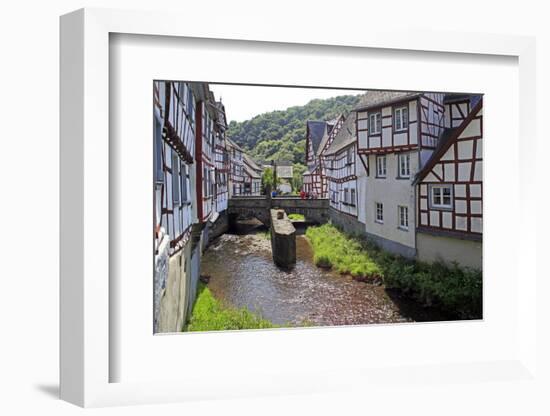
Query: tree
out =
(269, 180)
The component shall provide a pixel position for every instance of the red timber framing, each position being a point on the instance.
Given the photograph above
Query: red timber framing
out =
(455, 169)
(342, 179)
(322, 190)
(174, 136)
(424, 123)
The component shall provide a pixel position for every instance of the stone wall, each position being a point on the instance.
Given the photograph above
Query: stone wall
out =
(283, 239)
(219, 226)
(160, 279)
(466, 253)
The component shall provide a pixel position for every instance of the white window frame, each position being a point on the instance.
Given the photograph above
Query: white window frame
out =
(403, 220)
(184, 196)
(375, 123)
(377, 218)
(353, 196)
(349, 156)
(407, 172)
(441, 204)
(379, 173)
(398, 116)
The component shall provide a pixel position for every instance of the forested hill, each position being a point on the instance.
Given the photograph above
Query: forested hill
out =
(280, 135)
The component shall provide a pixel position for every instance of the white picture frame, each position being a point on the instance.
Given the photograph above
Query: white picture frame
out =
(85, 212)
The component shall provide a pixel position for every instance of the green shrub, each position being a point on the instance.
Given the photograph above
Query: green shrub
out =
(456, 291)
(210, 315)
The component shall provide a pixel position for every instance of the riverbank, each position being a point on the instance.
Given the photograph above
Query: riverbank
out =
(209, 314)
(455, 291)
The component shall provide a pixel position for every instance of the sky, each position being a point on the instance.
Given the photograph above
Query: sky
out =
(243, 102)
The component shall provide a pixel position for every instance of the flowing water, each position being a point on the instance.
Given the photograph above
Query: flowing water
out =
(242, 273)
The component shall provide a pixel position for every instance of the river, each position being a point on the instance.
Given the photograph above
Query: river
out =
(242, 273)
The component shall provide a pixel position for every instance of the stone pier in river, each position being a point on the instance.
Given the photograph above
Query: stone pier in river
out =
(283, 239)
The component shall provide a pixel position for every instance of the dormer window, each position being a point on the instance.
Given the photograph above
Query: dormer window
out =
(401, 118)
(375, 123)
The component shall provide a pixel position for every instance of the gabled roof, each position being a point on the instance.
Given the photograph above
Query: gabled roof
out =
(345, 136)
(446, 139)
(231, 143)
(250, 162)
(374, 99)
(330, 125)
(315, 131)
(251, 172)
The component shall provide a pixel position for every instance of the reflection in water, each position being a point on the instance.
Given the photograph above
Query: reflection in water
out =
(242, 273)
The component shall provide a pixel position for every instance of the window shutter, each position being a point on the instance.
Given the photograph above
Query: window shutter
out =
(405, 117)
(379, 122)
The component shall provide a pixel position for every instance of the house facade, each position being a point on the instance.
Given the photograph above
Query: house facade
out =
(319, 137)
(397, 132)
(252, 177)
(450, 191)
(343, 168)
(236, 168)
(221, 160)
(175, 213)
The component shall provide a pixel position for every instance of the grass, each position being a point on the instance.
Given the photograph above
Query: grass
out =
(454, 290)
(209, 314)
(296, 217)
(333, 249)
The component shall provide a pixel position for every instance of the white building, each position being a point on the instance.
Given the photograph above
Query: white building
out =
(397, 132)
(236, 168)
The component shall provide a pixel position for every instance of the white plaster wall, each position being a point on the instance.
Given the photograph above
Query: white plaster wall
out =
(392, 193)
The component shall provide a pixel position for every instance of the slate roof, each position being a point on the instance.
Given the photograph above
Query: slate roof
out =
(372, 99)
(251, 172)
(233, 144)
(330, 125)
(316, 130)
(253, 165)
(345, 136)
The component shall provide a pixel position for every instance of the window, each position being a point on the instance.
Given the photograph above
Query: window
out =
(205, 182)
(349, 156)
(379, 212)
(175, 179)
(404, 165)
(375, 123)
(381, 166)
(442, 196)
(352, 202)
(183, 174)
(401, 118)
(346, 193)
(403, 217)
(159, 175)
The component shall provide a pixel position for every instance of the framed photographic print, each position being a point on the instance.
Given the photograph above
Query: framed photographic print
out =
(286, 213)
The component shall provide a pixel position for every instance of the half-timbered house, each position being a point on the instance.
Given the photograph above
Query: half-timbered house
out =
(175, 129)
(206, 115)
(397, 133)
(221, 160)
(236, 168)
(343, 169)
(252, 176)
(449, 189)
(319, 136)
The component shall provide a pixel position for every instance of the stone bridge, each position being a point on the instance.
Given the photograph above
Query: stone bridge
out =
(314, 210)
